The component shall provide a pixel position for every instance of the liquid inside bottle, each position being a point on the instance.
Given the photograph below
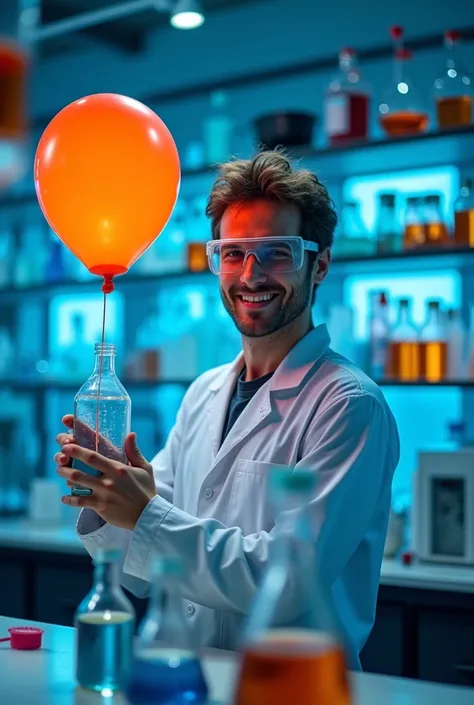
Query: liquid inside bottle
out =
(105, 624)
(304, 661)
(414, 232)
(436, 232)
(166, 669)
(433, 346)
(464, 215)
(401, 110)
(404, 349)
(453, 87)
(347, 102)
(102, 415)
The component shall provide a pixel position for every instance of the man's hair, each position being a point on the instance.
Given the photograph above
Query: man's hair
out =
(270, 175)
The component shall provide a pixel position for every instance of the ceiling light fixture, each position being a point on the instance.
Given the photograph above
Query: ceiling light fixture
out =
(187, 14)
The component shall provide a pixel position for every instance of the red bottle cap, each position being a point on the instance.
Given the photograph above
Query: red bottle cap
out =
(452, 35)
(348, 50)
(407, 558)
(403, 54)
(24, 638)
(396, 32)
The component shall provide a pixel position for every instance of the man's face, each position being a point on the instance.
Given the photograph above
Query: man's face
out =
(290, 292)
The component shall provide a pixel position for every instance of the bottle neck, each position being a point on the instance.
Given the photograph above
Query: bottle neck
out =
(108, 363)
(106, 576)
(164, 595)
(433, 317)
(403, 315)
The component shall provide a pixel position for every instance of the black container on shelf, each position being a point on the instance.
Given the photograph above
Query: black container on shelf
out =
(285, 129)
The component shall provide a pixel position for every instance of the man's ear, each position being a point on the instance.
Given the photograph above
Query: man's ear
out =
(322, 266)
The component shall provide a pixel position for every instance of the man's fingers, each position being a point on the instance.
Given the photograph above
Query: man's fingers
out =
(76, 477)
(107, 466)
(85, 436)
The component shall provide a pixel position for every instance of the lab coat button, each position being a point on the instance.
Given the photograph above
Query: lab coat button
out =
(208, 493)
(190, 610)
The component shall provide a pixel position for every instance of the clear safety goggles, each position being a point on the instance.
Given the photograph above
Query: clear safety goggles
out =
(274, 254)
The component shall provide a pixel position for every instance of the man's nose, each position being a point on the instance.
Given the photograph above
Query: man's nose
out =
(252, 272)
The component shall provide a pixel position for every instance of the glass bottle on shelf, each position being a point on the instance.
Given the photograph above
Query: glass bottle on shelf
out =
(453, 88)
(74, 358)
(401, 110)
(218, 127)
(464, 215)
(55, 269)
(379, 332)
(306, 663)
(346, 102)
(149, 338)
(414, 230)
(101, 413)
(24, 265)
(404, 351)
(387, 227)
(433, 345)
(353, 240)
(198, 236)
(105, 623)
(456, 339)
(436, 232)
(166, 667)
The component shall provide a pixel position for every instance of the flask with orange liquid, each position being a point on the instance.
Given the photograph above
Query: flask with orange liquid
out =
(414, 232)
(453, 88)
(464, 215)
(291, 652)
(403, 351)
(401, 110)
(433, 345)
(436, 232)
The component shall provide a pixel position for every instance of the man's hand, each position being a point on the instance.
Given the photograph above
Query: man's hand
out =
(123, 490)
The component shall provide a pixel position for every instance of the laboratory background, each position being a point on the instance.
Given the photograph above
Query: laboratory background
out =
(378, 102)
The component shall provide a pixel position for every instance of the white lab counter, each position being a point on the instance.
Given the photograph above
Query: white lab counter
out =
(46, 677)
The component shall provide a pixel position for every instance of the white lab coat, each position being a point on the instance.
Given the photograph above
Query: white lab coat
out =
(318, 412)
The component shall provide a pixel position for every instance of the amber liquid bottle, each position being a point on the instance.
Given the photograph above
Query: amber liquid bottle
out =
(464, 216)
(298, 658)
(433, 346)
(404, 350)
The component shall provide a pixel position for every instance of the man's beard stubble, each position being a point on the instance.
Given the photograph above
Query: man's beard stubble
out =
(287, 313)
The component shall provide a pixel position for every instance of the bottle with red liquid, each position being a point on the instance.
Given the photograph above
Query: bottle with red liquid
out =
(291, 652)
(347, 102)
(401, 111)
(453, 87)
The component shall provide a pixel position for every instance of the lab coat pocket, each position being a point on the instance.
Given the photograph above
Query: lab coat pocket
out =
(250, 507)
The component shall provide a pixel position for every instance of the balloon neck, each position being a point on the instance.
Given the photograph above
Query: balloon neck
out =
(108, 285)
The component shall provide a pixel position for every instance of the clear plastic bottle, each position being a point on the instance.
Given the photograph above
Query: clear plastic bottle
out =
(105, 623)
(464, 215)
(347, 102)
(433, 345)
(304, 662)
(166, 668)
(453, 88)
(404, 351)
(101, 416)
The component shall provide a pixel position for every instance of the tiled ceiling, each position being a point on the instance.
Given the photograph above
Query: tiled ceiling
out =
(126, 34)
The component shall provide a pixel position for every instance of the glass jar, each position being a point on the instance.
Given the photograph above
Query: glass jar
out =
(453, 87)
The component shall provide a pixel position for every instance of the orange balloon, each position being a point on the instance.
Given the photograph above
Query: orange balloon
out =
(107, 177)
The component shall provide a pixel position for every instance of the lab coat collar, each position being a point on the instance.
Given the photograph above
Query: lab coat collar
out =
(288, 376)
(291, 372)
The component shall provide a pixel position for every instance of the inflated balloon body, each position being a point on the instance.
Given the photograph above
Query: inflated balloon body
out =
(107, 177)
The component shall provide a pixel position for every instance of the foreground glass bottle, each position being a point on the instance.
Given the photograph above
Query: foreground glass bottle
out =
(105, 622)
(292, 664)
(166, 669)
(102, 412)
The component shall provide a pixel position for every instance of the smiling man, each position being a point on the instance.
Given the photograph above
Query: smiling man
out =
(288, 399)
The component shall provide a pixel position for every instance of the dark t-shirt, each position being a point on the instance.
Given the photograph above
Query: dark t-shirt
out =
(243, 393)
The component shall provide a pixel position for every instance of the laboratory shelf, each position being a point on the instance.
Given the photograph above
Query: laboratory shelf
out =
(410, 260)
(464, 383)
